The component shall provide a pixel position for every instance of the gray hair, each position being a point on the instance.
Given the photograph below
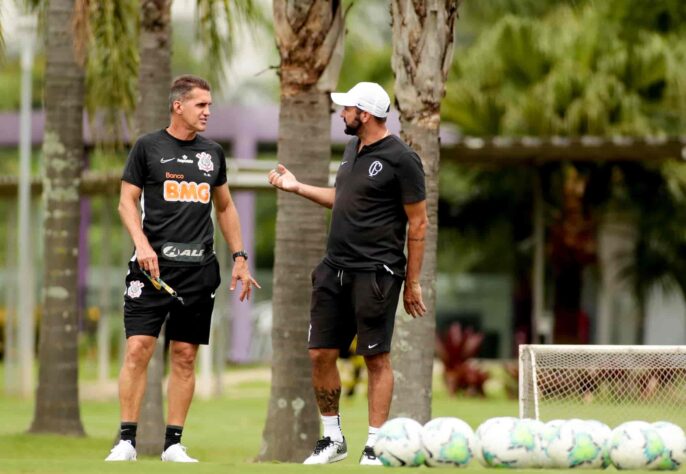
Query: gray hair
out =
(183, 85)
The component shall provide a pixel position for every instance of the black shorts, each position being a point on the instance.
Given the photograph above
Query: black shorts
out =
(146, 308)
(345, 303)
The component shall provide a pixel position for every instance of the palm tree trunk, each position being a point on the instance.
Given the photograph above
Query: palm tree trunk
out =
(152, 112)
(154, 70)
(57, 396)
(422, 52)
(308, 34)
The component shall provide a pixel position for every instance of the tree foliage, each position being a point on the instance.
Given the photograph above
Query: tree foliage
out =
(572, 69)
(217, 22)
(107, 33)
(572, 72)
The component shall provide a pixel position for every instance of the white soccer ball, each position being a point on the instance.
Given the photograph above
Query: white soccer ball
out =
(578, 444)
(539, 456)
(448, 442)
(399, 443)
(548, 433)
(602, 432)
(674, 440)
(481, 430)
(635, 445)
(508, 442)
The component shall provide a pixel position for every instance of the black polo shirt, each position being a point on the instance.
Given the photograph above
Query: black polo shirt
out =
(177, 178)
(368, 220)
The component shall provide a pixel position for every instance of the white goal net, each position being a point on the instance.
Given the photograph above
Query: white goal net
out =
(612, 384)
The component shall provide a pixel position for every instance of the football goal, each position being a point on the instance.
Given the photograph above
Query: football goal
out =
(609, 383)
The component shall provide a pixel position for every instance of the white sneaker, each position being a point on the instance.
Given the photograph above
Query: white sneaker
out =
(177, 453)
(327, 451)
(368, 457)
(122, 451)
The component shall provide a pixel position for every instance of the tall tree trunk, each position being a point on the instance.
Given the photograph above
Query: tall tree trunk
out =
(309, 35)
(57, 396)
(152, 112)
(423, 34)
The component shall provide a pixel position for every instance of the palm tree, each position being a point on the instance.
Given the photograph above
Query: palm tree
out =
(422, 53)
(57, 400)
(611, 69)
(309, 35)
(152, 112)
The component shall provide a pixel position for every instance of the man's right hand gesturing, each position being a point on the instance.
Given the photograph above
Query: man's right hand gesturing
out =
(283, 179)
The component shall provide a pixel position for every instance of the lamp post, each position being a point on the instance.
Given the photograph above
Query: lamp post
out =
(25, 328)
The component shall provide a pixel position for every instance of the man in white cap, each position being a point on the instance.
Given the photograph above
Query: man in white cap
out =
(379, 193)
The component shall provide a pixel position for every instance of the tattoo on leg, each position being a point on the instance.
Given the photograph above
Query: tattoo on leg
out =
(327, 399)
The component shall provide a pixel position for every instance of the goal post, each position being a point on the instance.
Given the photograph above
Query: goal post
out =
(610, 383)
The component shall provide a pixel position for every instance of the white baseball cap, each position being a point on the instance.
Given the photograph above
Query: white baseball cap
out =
(367, 96)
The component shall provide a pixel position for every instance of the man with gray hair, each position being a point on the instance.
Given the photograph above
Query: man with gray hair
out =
(177, 176)
(379, 192)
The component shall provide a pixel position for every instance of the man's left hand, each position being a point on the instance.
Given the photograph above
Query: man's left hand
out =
(242, 272)
(412, 299)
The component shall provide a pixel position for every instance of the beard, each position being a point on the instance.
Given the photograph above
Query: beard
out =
(353, 127)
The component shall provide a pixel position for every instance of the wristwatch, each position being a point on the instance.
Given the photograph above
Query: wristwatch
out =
(240, 253)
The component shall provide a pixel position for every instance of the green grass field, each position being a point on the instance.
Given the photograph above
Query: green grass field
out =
(225, 434)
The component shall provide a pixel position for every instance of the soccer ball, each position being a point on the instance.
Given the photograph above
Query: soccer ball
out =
(602, 433)
(399, 443)
(548, 432)
(674, 453)
(448, 442)
(539, 455)
(578, 444)
(635, 445)
(509, 442)
(481, 430)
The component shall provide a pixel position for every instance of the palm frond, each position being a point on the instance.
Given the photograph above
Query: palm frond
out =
(112, 65)
(217, 21)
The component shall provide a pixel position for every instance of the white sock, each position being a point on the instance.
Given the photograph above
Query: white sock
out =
(332, 427)
(371, 436)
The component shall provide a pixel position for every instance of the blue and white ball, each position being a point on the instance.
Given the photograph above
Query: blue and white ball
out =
(548, 433)
(635, 445)
(674, 441)
(509, 442)
(448, 442)
(578, 444)
(480, 431)
(399, 443)
(602, 432)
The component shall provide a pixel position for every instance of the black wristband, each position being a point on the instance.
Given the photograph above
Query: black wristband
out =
(240, 253)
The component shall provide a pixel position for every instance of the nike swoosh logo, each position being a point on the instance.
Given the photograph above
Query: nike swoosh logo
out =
(162, 160)
(212, 295)
(372, 346)
(343, 162)
(177, 434)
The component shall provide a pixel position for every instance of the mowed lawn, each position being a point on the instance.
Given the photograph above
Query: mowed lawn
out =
(225, 434)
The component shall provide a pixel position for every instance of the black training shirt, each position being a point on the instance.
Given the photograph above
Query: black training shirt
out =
(177, 177)
(368, 219)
